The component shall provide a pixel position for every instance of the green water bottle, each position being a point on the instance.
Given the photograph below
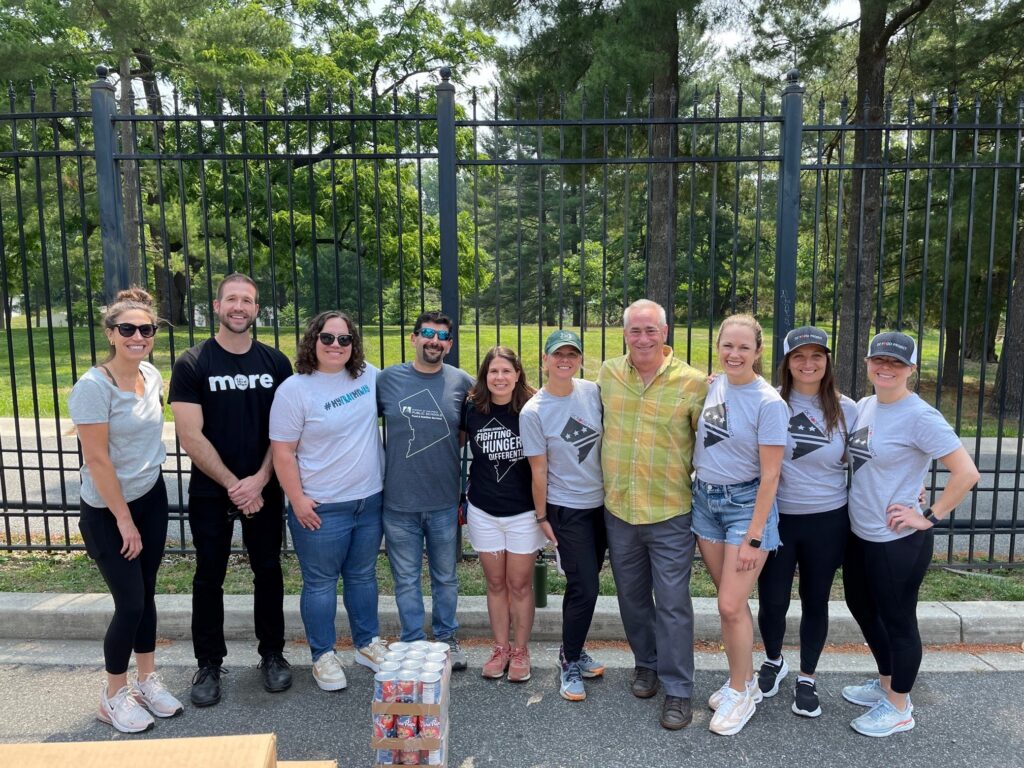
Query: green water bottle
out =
(540, 582)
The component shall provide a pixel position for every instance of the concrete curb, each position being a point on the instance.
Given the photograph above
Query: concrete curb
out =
(37, 616)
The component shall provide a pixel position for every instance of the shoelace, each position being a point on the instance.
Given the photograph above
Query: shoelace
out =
(123, 700)
(730, 699)
(519, 654)
(332, 664)
(154, 683)
(572, 674)
(274, 660)
(204, 672)
(377, 650)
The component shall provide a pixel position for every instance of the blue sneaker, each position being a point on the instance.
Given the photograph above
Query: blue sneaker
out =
(572, 682)
(884, 719)
(866, 695)
(589, 667)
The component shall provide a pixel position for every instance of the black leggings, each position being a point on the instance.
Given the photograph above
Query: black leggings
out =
(814, 544)
(882, 580)
(132, 583)
(582, 542)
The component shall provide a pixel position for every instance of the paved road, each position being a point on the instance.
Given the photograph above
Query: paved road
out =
(966, 719)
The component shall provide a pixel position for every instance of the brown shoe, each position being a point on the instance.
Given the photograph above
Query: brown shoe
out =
(519, 665)
(645, 682)
(495, 666)
(676, 713)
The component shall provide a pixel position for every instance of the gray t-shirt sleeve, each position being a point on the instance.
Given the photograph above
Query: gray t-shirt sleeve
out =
(531, 432)
(89, 402)
(772, 422)
(287, 414)
(933, 435)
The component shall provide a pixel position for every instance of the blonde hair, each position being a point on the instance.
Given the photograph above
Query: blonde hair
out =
(746, 321)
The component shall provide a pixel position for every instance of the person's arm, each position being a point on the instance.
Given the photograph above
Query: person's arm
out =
(539, 488)
(245, 493)
(963, 475)
(770, 457)
(287, 468)
(96, 453)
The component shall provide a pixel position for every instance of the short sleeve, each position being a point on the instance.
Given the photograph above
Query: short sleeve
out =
(531, 433)
(773, 422)
(185, 380)
(933, 434)
(89, 402)
(287, 414)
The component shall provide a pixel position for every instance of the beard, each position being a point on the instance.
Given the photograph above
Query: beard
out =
(432, 354)
(229, 323)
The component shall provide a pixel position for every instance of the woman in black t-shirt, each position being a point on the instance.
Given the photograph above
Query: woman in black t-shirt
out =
(502, 524)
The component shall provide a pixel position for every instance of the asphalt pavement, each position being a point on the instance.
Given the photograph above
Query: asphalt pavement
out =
(965, 716)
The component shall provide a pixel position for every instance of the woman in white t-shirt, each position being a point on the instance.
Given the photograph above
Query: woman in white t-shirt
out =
(329, 459)
(741, 436)
(897, 437)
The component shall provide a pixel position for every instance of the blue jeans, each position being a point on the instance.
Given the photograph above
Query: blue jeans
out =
(405, 534)
(346, 545)
(724, 512)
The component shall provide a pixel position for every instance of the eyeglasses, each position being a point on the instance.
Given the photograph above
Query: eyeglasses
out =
(429, 333)
(344, 339)
(148, 330)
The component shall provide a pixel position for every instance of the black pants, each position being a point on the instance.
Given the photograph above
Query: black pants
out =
(132, 583)
(582, 543)
(211, 534)
(815, 544)
(881, 582)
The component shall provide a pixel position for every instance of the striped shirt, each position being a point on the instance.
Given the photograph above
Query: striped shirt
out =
(647, 449)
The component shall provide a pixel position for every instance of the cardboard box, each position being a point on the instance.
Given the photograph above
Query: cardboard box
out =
(307, 764)
(258, 751)
(419, 743)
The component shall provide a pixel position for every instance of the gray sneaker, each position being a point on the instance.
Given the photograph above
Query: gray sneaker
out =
(455, 653)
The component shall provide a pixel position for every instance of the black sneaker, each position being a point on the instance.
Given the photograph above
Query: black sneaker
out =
(277, 672)
(206, 685)
(770, 676)
(805, 699)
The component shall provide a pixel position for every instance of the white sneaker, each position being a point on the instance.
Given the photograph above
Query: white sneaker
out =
(372, 655)
(715, 700)
(733, 713)
(154, 696)
(328, 673)
(123, 711)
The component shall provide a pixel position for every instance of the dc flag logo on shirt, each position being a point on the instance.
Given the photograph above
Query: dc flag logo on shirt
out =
(859, 446)
(580, 435)
(716, 422)
(806, 434)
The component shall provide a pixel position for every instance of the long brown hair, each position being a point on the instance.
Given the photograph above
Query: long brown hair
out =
(305, 352)
(480, 396)
(747, 321)
(828, 395)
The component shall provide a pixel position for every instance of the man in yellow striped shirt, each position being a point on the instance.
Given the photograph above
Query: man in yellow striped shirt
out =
(651, 402)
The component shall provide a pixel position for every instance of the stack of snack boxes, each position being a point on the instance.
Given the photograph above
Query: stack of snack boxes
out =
(410, 705)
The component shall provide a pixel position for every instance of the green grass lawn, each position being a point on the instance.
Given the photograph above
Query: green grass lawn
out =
(42, 381)
(36, 572)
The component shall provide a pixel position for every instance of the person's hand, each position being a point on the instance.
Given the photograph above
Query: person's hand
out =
(132, 541)
(305, 512)
(748, 556)
(251, 509)
(922, 496)
(548, 532)
(905, 518)
(245, 491)
(711, 378)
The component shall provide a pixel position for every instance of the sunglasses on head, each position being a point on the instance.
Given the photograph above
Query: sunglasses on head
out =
(148, 330)
(429, 333)
(344, 339)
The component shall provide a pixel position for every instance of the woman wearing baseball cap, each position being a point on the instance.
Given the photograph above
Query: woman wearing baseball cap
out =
(897, 436)
(813, 518)
(561, 430)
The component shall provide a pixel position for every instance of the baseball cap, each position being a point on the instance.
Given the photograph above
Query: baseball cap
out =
(804, 335)
(894, 344)
(562, 338)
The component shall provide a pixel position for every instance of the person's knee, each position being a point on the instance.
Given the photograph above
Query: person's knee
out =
(520, 587)
(732, 609)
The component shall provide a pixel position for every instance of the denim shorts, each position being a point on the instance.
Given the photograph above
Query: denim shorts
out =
(723, 513)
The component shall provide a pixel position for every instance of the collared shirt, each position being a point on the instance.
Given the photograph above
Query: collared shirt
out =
(647, 449)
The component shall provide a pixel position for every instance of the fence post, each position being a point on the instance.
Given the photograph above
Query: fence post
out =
(787, 218)
(447, 215)
(108, 186)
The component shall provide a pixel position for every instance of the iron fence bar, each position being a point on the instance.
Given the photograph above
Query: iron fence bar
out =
(314, 249)
(604, 227)
(476, 224)
(713, 228)
(692, 235)
(519, 233)
(357, 218)
(788, 218)
(561, 213)
(880, 244)
(734, 257)
(905, 218)
(333, 180)
(816, 243)
(447, 205)
(204, 205)
(498, 143)
(758, 190)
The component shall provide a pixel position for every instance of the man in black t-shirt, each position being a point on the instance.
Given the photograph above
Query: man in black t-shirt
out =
(221, 392)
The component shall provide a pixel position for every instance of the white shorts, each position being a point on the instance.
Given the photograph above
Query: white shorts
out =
(518, 534)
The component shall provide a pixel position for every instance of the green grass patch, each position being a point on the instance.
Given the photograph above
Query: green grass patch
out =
(75, 573)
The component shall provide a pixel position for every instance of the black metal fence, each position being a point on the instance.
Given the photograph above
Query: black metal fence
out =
(516, 218)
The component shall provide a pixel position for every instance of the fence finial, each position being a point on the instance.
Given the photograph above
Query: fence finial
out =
(102, 71)
(446, 74)
(793, 76)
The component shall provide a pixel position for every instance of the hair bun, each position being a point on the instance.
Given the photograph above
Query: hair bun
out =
(135, 295)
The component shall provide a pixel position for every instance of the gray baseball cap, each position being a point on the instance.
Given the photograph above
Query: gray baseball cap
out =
(804, 335)
(562, 338)
(894, 344)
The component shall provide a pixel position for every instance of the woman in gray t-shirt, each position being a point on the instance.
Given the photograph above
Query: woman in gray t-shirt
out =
(117, 408)
(897, 437)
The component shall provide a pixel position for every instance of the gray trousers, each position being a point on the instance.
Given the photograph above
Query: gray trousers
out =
(651, 565)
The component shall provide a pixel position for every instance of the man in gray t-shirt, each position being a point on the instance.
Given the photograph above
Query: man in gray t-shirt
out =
(421, 402)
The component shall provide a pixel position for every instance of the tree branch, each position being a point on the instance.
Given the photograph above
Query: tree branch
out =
(899, 20)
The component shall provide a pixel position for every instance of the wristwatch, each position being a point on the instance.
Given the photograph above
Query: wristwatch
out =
(755, 543)
(930, 516)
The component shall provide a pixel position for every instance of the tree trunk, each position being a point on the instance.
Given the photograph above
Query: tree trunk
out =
(661, 256)
(864, 210)
(977, 335)
(1010, 374)
(951, 358)
(130, 179)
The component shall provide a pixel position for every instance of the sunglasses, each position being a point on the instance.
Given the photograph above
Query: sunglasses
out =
(429, 333)
(148, 330)
(344, 339)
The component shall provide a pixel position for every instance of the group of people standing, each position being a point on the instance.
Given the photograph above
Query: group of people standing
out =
(646, 464)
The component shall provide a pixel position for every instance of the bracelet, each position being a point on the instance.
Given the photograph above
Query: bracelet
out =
(542, 519)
